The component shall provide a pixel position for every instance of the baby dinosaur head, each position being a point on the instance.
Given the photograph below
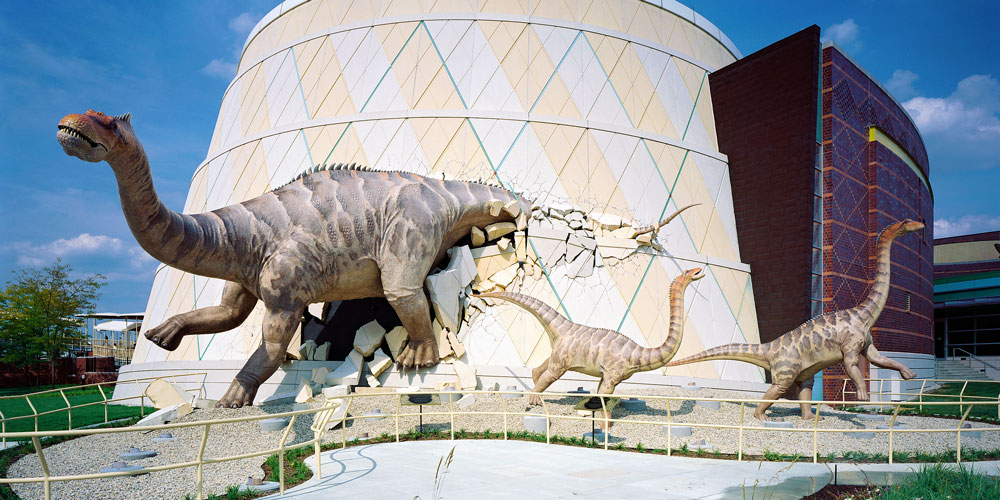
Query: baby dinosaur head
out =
(908, 226)
(690, 275)
(95, 136)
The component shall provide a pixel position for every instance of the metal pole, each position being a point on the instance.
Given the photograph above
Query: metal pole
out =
(503, 406)
(670, 426)
(69, 410)
(815, 433)
(958, 452)
(45, 466)
(548, 432)
(451, 415)
(740, 455)
(892, 425)
(32, 411)
(961, 396)
(201, 456)
(924, 384)
(400, 398)
(281, 454)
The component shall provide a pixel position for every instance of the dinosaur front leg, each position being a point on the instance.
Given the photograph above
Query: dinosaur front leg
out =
(851, 360)
(545, 379)
(876, 358)
(237, 303)
(278, 329)
(607, 387)
(414, 312)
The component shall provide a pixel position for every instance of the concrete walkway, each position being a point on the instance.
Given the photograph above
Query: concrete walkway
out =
(524, 470)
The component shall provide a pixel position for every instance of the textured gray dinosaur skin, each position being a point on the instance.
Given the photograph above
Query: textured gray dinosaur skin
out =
(336, 234)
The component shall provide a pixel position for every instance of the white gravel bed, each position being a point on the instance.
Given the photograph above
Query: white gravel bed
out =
(89, 454)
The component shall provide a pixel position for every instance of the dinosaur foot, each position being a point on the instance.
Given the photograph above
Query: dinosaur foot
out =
(418, 354)
(237, 396)
(167, 336)
(812, 416)
(534, 399)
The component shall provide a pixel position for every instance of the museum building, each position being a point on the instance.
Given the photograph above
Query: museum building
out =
(822, 158)
(605, 115)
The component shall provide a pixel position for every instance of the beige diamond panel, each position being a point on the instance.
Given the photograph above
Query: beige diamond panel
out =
(602, 105)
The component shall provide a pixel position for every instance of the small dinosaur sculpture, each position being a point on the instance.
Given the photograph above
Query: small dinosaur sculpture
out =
(336, 234)
(823, 341)
(599, 352)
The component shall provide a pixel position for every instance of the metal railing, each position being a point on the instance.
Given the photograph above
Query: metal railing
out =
(910, 398)
(100, 390)
(968, 358)
(324, 416)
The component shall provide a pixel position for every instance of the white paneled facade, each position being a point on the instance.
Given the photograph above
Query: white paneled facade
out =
(598, 104)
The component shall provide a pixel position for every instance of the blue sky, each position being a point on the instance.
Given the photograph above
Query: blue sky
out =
(170, 66)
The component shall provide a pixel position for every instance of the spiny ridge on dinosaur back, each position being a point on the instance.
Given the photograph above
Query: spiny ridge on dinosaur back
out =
(322, 167)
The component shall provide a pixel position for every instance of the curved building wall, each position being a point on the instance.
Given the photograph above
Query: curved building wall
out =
(601, 105)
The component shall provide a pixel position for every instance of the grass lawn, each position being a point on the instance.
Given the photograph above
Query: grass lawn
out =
(14, 407)
(982, 389)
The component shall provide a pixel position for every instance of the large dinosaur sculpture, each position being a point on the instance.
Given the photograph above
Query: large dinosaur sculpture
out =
(823, 341)
(336, 234)
(599, 352)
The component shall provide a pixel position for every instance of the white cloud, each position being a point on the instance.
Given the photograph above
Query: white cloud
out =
(243, 23)
(901, 84)
(220, 68)
(85, 244)
(844, 34)
(961, 131)
(966, 224)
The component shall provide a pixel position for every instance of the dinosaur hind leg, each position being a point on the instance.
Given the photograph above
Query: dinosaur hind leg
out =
(774, 392)
(607, 386)
(539, 370)
(545, 379)
(237, 303)
(805, 393)
(278, 329)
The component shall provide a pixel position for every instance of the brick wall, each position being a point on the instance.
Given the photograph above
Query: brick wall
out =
(765, 114)
(867, 187)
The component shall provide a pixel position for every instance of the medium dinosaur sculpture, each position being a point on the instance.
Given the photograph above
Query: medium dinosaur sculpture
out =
(337, 234)
(597, 351)
(823, 341)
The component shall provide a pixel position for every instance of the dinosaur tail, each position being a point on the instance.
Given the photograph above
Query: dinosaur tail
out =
(656, 227)
(553, 322)
(750, 353)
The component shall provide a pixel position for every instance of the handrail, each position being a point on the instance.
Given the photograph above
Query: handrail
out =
(973, 357)
(323, 415)
(104, 400)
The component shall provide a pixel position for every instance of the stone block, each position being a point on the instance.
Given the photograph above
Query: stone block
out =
(373, 415)
(305, 394)
(462, 263)
(337, 417)
(494, 231)
(700, 445)
(633, 404)
(677, 431)
(512, 207)
(396, 339)
(321, 353)
(872, 417)
(455, 344)
(495, 207)
(123, 467)
(136, 454)
(441, 336)
(711, 405)
(319, 375)
(336, 391)
(165, 415)
(349, 372)
(860, 435)
(372, 381)
(505, 276)
(535, 423)
(778, 424)
(164, 437)
(260, 488)
(368, 338)
(443, 288)
(204, 403)
(510, 396)
(608, 222)
(307, 349)
(163, 394)
(582, 266)
(466, 375)
(597, 435)
(477, 236)
(449, 394)
(466, 401)
(503, 244)
(273, 424)
(969, 434)
(379, 363)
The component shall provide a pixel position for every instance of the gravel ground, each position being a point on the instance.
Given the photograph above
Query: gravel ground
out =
(89, 454)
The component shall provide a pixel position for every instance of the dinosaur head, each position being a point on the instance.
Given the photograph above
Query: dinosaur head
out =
(693, 274)
(95, 136)
(908, 226)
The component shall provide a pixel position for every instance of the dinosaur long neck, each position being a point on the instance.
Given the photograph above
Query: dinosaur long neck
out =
(555, 324)
(872, 306)
(195, 244)
(659, 356)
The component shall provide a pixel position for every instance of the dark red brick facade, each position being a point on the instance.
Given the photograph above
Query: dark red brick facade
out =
(769, 107)
(765, 117)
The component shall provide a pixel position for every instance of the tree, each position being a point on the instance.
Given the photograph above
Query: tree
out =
(38, 313)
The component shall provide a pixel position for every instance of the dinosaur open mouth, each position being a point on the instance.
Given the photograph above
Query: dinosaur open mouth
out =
(72, 132)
